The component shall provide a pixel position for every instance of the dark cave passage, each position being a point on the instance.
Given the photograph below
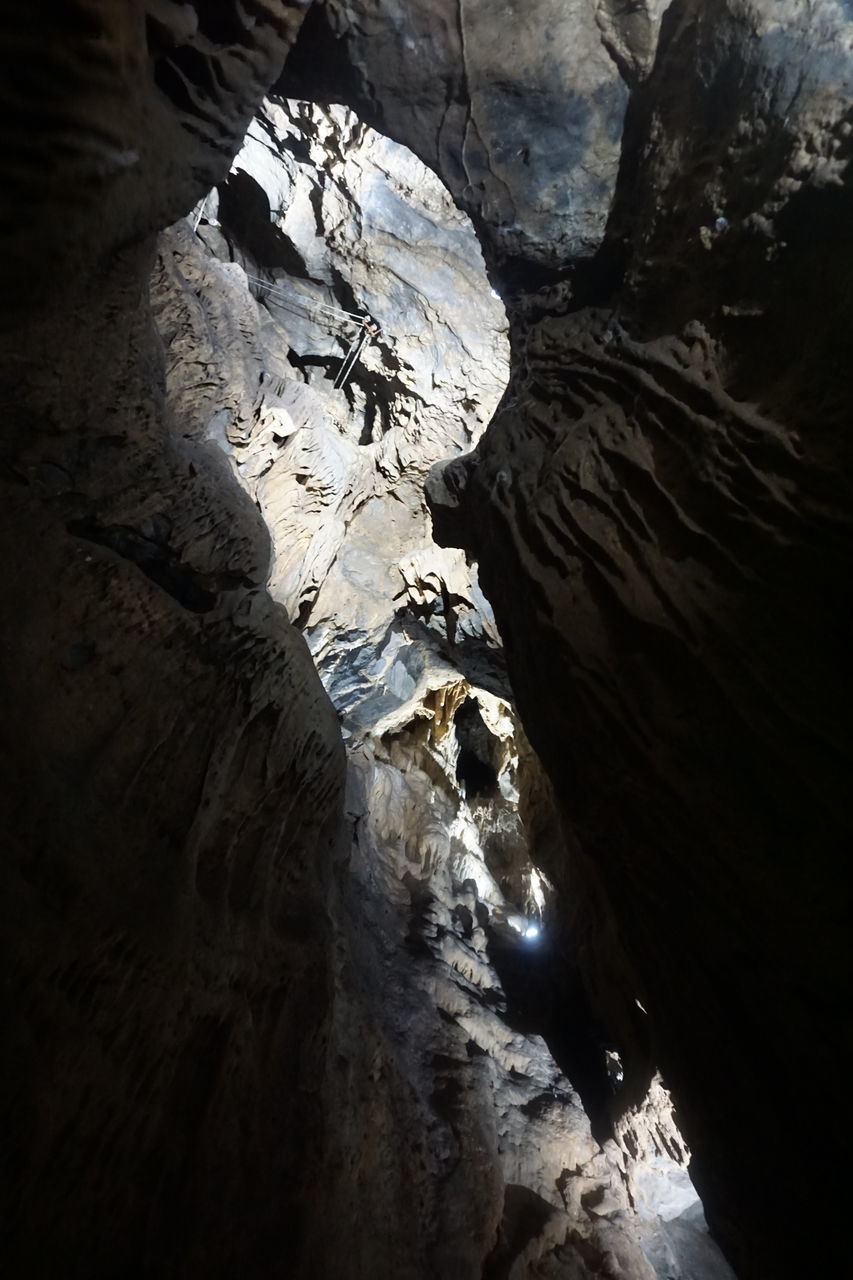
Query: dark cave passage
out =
(476, 767)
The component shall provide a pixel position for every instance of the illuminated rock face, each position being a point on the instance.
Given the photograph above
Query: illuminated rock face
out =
(658, 512)
(439, 1088)
(261, 1028)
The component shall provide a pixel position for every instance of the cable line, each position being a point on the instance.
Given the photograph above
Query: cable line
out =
(367, 326)
(322, 306)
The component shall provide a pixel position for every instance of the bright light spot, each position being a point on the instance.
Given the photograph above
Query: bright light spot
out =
(641, 1007)
(532, 931)
(614, 1066)
(538, 885)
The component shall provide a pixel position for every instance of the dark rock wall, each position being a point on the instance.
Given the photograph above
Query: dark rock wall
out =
(669, 477)
(519, 108)
(172, 769)
(116, 118)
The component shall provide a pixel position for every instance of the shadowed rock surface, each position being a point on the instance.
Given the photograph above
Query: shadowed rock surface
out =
(172, 768)
(271, 1010)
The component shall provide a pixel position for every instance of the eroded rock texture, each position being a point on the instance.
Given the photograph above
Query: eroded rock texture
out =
(659, 512)
(256, 1030)
(455, 1144)
(518, 107)
(117, 117)
(668, 477)
(172, 769)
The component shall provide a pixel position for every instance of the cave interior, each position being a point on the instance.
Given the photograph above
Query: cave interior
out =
(426, 685)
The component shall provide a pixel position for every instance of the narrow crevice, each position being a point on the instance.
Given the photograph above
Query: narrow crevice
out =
(158, 562)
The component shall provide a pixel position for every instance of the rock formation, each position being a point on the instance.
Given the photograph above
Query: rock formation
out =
(172, 769)
(440, 1001)
(274, 831)
(657, 512)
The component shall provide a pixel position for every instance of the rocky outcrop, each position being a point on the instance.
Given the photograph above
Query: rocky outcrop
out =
(441, 1099)
(254, 1024)
(172, 769)
(519, 109)
(664, 477)
(143, 107)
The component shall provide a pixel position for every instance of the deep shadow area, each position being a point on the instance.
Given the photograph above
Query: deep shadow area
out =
(245, 216)
(525, 1214)
(477, 763)
(545, 996)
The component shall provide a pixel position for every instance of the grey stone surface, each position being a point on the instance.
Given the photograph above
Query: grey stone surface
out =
(254, 1031)
(518, 107)
(435, 1093)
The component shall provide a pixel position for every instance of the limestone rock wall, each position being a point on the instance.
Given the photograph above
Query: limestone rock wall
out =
(198, 1080)
(669, 477)
(117, 118)
(660, 513)
(172, 769)
(518, 107)
(455, 1144)
(338, 473)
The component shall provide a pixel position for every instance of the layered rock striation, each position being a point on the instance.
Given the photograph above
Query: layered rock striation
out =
(658, 512)
(255, 1026)
(172, 769)
(439, 1091)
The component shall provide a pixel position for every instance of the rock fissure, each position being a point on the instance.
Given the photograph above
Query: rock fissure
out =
(369, 855)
